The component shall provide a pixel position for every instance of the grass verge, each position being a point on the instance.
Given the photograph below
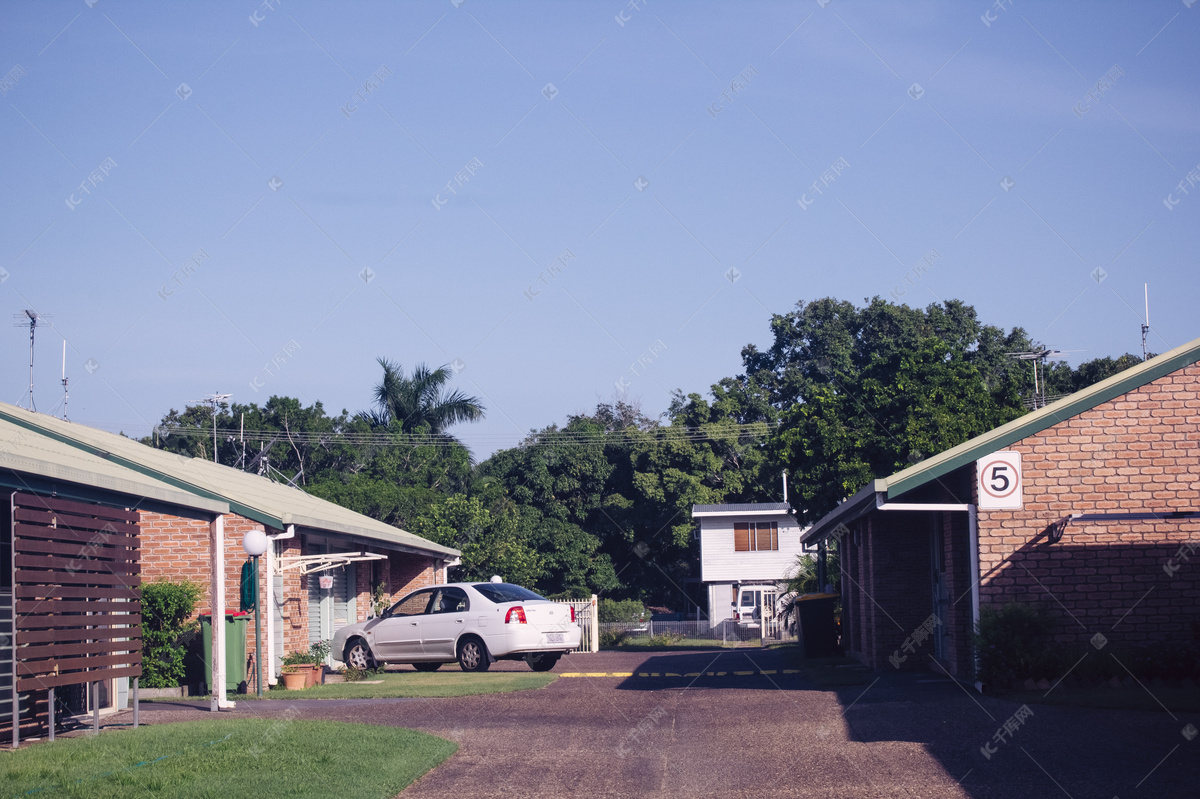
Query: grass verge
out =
(223, 758)
(644, 645)
(418, 685)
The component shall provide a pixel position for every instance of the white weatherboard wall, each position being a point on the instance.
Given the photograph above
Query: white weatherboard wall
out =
(720, 563)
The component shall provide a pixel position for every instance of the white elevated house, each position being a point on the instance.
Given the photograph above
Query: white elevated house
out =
(747, 552)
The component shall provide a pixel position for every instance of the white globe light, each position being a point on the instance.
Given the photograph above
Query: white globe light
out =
(496, 578)
(255, 543)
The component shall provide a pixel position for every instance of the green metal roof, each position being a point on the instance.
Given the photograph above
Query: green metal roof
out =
(1022, 427)
(258, 498)
(30, 453)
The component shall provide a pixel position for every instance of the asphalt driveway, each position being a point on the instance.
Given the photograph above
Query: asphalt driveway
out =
(747, 723)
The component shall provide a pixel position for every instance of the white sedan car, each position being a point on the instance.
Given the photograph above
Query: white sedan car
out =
(473, 623)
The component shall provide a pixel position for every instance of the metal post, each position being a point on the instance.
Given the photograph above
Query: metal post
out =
(135, 701)
(94, 688)
(50, 699)
(257, 631)
(16, 718)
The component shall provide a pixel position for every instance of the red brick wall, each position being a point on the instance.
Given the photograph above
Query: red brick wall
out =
(1138, 452)
(176, 548)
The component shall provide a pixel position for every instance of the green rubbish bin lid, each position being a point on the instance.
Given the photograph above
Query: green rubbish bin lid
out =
(807, 597)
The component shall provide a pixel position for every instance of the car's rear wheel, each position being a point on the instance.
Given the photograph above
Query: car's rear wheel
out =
(358, 655)
(473, 655)
(542, 662)
(427, 666)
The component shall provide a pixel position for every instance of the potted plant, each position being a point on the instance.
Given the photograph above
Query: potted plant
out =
(296, 671)
(317, 653)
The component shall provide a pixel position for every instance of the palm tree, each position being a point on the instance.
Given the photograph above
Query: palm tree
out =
(419, 402)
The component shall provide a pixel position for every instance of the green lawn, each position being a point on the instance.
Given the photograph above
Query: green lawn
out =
(418, 684)
(644, 645)
(224, 758)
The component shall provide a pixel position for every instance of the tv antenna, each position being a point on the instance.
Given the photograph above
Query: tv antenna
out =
(215, 401)
(1146, 324)
(65, 379)
(30, 318)
(1039, 358)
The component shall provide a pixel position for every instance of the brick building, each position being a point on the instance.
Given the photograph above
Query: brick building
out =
(1087, 506)
(310, 539)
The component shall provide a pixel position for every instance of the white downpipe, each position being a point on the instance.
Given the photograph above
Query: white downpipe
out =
(270, 600)
(973, 551)
(217, 587)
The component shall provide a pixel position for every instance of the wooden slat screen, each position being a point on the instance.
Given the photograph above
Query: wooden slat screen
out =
(77, 592)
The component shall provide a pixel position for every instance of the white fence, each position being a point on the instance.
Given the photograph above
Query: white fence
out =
(588, 620)
(7, 655)
(725, 632)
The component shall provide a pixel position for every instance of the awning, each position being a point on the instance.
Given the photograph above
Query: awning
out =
(309, 564)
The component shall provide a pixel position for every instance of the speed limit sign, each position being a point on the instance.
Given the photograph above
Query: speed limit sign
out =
(999, 480)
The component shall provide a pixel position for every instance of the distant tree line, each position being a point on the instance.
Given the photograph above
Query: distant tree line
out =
(602, 504)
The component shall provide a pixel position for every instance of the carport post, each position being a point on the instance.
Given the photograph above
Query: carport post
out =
(216, 684)
(50, 700)
(135, 702)
(94, 689)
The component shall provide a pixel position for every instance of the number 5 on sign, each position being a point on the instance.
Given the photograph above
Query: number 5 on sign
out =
(999, 481)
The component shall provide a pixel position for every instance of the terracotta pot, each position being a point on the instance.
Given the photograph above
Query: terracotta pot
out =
(316, 675)
(295, 680)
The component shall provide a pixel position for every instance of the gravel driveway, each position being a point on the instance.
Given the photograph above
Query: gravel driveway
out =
(755, 727)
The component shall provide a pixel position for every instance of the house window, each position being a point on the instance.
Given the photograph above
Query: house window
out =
(755, 536)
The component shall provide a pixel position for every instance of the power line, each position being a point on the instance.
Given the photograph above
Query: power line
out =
(551, 438)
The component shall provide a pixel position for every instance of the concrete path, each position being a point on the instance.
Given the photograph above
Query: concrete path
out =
(744, 723)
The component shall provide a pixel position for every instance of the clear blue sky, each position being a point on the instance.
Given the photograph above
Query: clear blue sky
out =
(301, 154)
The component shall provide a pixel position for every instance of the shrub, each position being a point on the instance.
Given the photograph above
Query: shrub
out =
(612, 610)
(167, 608)
(610, 639)
(1011, 642)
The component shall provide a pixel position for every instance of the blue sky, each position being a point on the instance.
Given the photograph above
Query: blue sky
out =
(572, 200)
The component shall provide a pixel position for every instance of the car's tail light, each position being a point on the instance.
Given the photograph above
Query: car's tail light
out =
(572, 607)
(737, 616)
(515, 615)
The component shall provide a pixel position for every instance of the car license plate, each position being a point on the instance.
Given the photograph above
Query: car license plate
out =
(554, 638)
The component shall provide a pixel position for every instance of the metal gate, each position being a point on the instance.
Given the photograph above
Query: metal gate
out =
(588, 621)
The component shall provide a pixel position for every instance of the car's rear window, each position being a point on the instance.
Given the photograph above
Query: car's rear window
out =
(506, 592)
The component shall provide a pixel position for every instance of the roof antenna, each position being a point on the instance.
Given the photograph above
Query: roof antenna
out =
(214, 401)
(31, 318)
(1146, 324)
(65, 380)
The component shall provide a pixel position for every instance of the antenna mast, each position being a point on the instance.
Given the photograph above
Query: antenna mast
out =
(30, 318)
(66, 393)
(1146, 324)
(214, 401)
